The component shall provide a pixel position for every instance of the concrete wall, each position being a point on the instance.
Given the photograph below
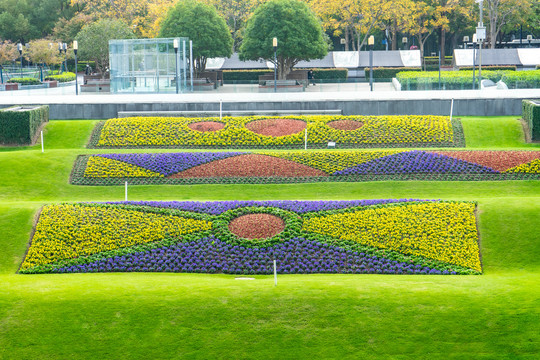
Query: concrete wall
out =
(462, 107)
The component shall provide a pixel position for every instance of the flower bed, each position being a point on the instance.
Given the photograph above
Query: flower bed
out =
(287, 133)
(304, 166)
(244, 237)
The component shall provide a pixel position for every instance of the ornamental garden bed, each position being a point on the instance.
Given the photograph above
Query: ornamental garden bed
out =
(244, 237)
(258, 132)
(304, 166)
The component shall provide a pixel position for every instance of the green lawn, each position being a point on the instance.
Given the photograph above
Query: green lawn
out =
(162, 316)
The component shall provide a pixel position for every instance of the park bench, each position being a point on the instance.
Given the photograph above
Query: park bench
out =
(93, 85)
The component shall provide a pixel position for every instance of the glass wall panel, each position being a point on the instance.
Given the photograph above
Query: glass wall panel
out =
(148, 65)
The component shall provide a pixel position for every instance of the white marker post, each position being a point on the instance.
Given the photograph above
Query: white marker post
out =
(305, 139)
(126, 192)
(451, 109)
(42, 146)
(220, 109)
(275, 273)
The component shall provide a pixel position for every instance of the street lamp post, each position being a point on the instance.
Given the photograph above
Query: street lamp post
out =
(175, 45)
(371, 42)
(465, 41)
(274, 45)
(60, 54)
(75, 48)
(529, 39)
(342, 41)
(480, 37)
(404, 42)
(19, 47)
(473, 60)
(64, 47)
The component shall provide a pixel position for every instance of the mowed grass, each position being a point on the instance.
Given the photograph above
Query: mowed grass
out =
(163, 316)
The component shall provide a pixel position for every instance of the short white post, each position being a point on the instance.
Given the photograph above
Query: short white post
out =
(126, 192)
(451, 109)
(42, 148)
(220, 109)
(275, 273)
(305, 139)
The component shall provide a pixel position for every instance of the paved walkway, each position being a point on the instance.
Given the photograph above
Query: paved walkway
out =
(243, 93)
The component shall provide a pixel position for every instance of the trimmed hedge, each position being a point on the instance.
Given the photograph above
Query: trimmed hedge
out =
(490, 67)
(529, 79)
(25, 81)
(64, 77)
(531, 115)
(450, 80)
(388, 72)
(253, 75)
(20, 127)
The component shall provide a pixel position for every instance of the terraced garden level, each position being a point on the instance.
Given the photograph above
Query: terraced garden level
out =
(309, 166)
(372, 236)
(259, 132)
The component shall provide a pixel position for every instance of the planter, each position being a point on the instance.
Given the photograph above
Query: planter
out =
(51, 83)
(12, 86)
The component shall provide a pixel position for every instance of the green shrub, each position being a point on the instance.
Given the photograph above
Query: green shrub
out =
(491, 67)
(529, 79)
(434, 60)
(64, 77)
(531, 115)
(330, 74)
(389, 72)
(450, 80)
(244, 75)
(20, 127)
(25, 81)
(253, 75)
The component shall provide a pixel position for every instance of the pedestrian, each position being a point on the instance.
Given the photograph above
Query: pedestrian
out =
(310, 77)
(88, 70)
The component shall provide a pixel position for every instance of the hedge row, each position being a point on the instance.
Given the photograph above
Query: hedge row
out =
(64, 77)
(531, 115)
(20, 127)
(388, 72)
(253, 75)
(25, 81)
(491, 67)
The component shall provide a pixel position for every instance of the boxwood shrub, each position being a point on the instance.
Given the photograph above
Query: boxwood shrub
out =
(64, 77)
(21, 127)
(531, 115)
(387, 72)
(450, 80)
(253, 75)
(490, 67)
(25, 81)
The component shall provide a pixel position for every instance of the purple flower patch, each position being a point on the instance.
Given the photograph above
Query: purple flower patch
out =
(414, 162)
(211, 255)
(170, 163)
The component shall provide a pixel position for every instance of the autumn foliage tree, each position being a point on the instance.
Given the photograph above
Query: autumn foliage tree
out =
(299, 34)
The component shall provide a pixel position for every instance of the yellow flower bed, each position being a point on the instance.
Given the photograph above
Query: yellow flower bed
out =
(332, 161)
(532, 167)
(159, 131)
(444, 231)
(69, 231)
(100, 167)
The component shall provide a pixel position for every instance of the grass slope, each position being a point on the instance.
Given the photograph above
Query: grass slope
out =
(162, 316)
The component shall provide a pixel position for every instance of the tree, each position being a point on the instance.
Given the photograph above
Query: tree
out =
(8, 52)
(43, 51)
(202, 24)
(299, 34)
(235, 13)
(67, 30)
(500, 12)
(94, 41)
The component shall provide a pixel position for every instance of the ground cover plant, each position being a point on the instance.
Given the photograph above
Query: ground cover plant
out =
(243, 237)
(308, 166)
(143, 315)
(279, 133)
